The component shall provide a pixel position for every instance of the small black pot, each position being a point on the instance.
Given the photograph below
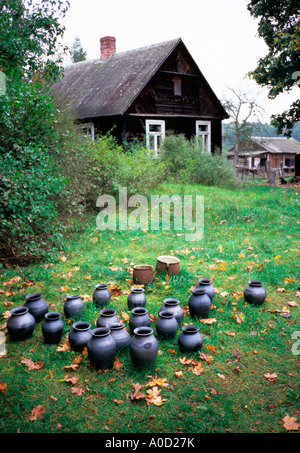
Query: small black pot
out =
(173, 305)
(108, 316)
(190, 339)
(166, 325)
(255, 292)
(120, 335)
(101, 349)
(21, 324)
(199, 303)
(139, 317)
(206, 283)
(73, 307)
(80, 335)
(136, 298)
(101, 295)
(52, 328)
(37, 306)
(143, 347)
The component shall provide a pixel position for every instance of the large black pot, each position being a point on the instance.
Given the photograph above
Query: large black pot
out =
(73, 307)
(52, 328)
(143, 347)
(80, 335)
(101, 295)
(173, 305)
(108, 317)
(37, 306)
(255, 292)
(190, 339)
(199, 303)
(206, 283)
(120, 335)
(21, 324)
(166, 325)
(136, 298)
(139, 317)
(101, 349)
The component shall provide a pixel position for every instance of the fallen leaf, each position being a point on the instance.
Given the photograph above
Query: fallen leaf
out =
(32, 365)
(178, 374)
(154, 396)
(70, 378)
(221, 376)
(211, 348)
(292, 303)
(12, 281)
(74, 366)
(78, 390)
(281, 290)
(36, 413)
(3, 387)
(290, 423)
(116, 400)
(238, 317)
(231, 334)
(117, 364)
(137, 395)
(206, 357)
(271, 377)
(158, 382)
(208, 320)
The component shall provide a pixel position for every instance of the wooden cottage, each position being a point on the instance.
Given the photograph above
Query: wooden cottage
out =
(143, 94)
(276, 152)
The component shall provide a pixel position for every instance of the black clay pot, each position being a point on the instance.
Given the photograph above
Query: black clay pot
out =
(139, 317)
(190, 339)
(143, 347)
(21, 324)
(166, 325)
(101, 295)
(255, 292)
(52, 328)
(173, 305)
(206, 283)
(199, 303)
(80, 335)
(120, 335)
(136, 298)
(101, 349)
(37, 306)
(108, 316)
(73, 307)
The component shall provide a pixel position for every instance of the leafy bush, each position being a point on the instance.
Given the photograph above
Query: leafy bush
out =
(186, 162)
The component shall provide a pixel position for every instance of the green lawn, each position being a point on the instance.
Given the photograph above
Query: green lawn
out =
(248, 379)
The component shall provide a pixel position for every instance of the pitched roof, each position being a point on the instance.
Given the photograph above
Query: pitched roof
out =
(278, 145)
(98, 88)
(101, 88)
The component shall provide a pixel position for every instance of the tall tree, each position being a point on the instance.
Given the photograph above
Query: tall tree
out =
(77, 53)
(279, 70)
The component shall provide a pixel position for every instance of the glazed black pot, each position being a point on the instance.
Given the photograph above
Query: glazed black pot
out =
(80, 335)
(101, 349)
(255, 292)
(199, 303)
(143, 347)
(52, 328)
(73, 307)
(206, 283)
(37, 306)
(136, 298)
(139, 317)
(190, 339)
(21, 324)
(166, 325)
(108, 316)
(101, 295)
(120, 335)
(173, 305)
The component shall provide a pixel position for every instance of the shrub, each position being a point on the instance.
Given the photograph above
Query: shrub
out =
(185, 162)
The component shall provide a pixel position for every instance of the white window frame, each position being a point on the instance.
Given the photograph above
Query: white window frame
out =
(89, 128)
(205, 135)
(155, 135)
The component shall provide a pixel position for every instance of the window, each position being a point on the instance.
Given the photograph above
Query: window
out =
(203, 135)
(155, 134)
(177, 86)
(87, 129)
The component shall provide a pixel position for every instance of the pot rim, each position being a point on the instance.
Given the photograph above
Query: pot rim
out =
(33, 296)
(75, 296)
(101, 332)
(200, 291)
(77, 325)
(52, 316)
(117, 326)
(137, 289)
(17, 311)
(168, 259)
(205, 281)
(255, 283)
(101, 286)
(171, 301)
(166, 314)
(139, 311)
(108, 312)
(143, 267)
(143, 331)
(190, 328)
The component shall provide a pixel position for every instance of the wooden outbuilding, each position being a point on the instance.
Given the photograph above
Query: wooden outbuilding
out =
(142, 94)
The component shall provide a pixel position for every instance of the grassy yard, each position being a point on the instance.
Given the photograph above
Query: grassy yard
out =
(247, 377)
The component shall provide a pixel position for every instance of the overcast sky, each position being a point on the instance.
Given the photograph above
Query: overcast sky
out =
(221, 36)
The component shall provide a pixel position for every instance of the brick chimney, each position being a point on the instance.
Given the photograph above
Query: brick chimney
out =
(107, 47)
